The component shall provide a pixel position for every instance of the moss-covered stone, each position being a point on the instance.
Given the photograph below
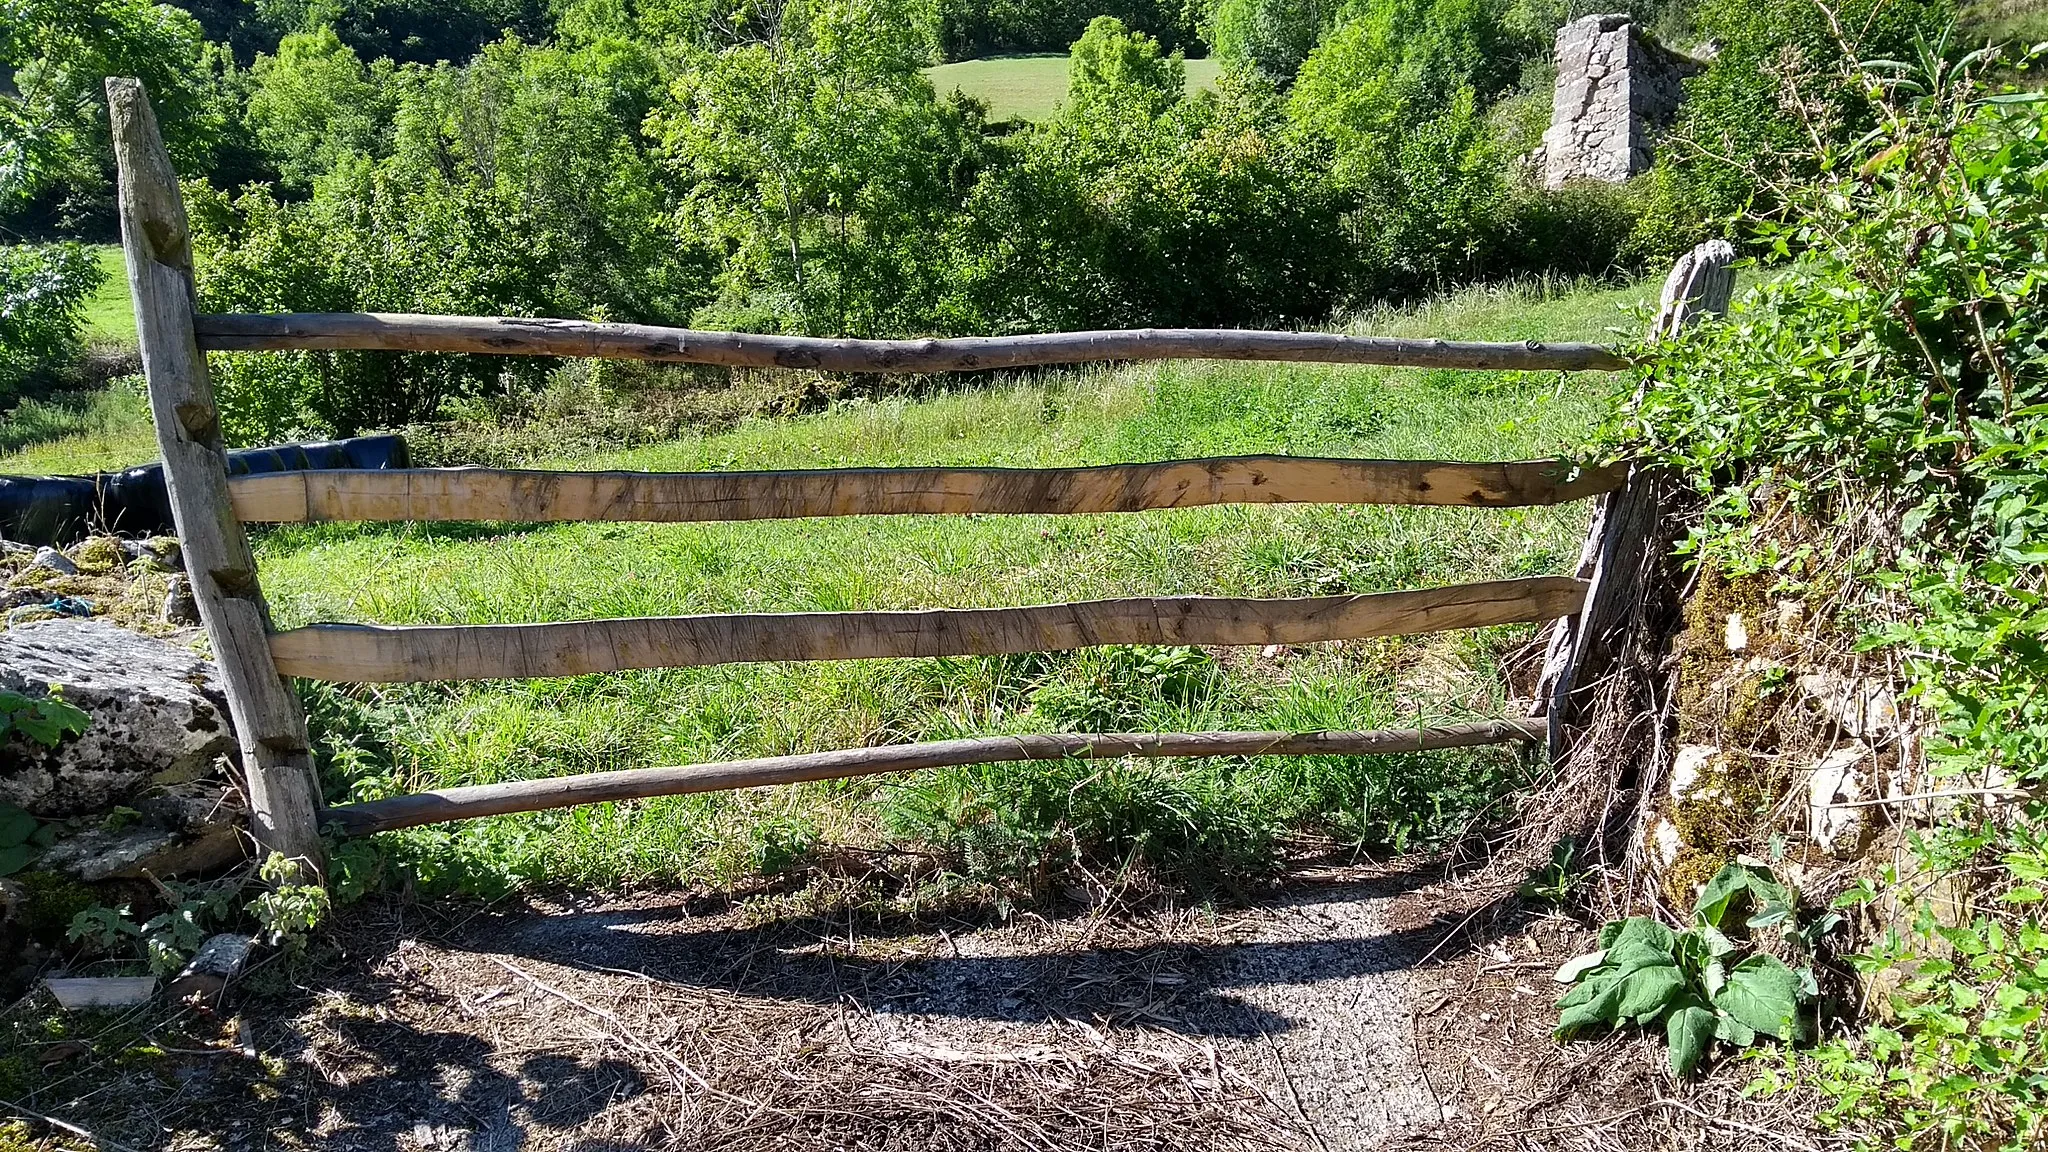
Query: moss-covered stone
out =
(53, 900)
(99, 556)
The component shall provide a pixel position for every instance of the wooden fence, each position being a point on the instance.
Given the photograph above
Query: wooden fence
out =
(210, 510)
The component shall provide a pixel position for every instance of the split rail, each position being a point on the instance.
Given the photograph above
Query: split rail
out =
(210, 510)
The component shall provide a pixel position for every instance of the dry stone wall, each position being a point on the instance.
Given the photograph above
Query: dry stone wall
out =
(1616, 90)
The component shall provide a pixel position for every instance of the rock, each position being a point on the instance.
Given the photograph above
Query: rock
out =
(218, 961)
(162, 552)
(157, 716)
(13, 598)
(97, 854)
(55, 561)
(1863, 709)
(1737, 636)
(1686, 765)
(1831, 784)
(180, 607)
(1668, 841)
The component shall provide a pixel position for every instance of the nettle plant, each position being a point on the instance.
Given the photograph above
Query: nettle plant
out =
(1701, 985)
(44, 721)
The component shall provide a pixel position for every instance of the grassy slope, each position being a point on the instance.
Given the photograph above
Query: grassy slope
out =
(2025, 21)
(109, 315)
(70, 437)
(457, 734)
(1028, 87)
(73, 434)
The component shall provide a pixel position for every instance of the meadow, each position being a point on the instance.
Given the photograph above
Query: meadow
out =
(109, 316)
(1202, 824)
(1030, 87)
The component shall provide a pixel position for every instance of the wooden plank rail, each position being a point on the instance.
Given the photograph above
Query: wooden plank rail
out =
(473, 801)
(384, 654)
(528, 496)
(520, 336)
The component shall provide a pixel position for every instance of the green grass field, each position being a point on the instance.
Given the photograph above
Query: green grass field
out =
(110, 315)
(2024, 21)
(1029, 87)
(1203, 822)
(66, 437)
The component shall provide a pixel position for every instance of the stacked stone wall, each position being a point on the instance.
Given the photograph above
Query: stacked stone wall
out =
(1617, 89)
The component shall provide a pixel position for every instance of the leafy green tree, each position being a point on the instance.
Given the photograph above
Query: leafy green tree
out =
(1111, 63)
(1207, 213)
(1395, 92)
(411, 31)
(820, 164)
(53, 114)
(43, 290)
(971, 28)
(516, 185)
(314, 102)
(1271, 37)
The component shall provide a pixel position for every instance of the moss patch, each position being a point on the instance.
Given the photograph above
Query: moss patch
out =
(1722, 814)
(52, 901)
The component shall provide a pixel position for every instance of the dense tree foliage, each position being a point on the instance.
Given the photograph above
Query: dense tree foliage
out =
(785, 165)
(54, 151)
(41, 289)
(1783, 89)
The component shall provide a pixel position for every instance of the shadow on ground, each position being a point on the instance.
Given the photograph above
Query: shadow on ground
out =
(659, 1024)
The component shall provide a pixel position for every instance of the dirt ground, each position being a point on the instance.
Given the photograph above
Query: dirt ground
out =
(1353, 1008)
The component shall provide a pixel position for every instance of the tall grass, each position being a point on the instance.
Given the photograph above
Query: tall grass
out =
(1205, 825)
(72, 434)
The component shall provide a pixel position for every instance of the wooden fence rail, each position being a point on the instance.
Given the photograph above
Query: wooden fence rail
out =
(531, 496)
(384, 654)
(468, 803)
(517, 336)
(210, 511)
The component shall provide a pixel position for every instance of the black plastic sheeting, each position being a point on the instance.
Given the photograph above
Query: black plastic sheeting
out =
(58, 510)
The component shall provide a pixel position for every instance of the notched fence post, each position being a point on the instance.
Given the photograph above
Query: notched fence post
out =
(276, 758)
(1625, 525)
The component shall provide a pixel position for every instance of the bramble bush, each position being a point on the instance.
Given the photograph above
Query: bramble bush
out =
(1890, 382)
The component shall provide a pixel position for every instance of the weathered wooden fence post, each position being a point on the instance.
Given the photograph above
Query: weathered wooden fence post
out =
(283, 791)
(1625, 524)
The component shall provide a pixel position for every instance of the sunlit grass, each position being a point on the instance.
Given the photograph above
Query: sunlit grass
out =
(72, 435)
(110, 314)
(1030, 87)
(466, 733)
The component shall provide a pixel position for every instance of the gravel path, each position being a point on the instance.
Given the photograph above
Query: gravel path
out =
(1295, 1014)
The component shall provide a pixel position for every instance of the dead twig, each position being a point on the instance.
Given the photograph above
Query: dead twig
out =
(1725, 1122)
(66, 1126)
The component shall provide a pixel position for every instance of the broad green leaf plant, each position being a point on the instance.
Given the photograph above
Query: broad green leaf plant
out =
(46, 721)
(1699, 985)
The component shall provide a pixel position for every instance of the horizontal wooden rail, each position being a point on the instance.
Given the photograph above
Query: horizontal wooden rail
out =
(494, 494)
(386, 654)
(520, 336)
(468, 803)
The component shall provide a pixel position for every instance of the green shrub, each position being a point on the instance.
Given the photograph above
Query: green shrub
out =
(1783, 85)
(1890, 384)
(517, 184)
(43, 291)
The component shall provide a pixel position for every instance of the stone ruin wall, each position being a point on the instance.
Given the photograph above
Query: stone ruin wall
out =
(1616, 90)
